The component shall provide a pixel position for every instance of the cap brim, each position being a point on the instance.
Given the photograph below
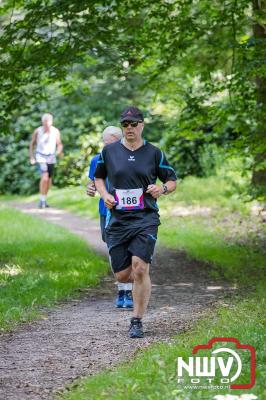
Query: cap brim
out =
(129, 119)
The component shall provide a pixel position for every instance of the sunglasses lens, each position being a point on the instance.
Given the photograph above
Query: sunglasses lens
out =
(125, 124)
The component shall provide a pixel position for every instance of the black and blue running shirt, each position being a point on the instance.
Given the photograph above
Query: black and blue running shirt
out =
(127, 169)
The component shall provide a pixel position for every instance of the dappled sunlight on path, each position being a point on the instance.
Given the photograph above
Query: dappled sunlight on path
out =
(81, 337)
(81, 226)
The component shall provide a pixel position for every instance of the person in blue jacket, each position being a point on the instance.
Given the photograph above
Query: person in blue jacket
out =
(110, 135)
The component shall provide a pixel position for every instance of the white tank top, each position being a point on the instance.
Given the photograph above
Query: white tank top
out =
(46, 145)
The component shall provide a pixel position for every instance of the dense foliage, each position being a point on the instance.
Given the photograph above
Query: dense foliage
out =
(197, 68)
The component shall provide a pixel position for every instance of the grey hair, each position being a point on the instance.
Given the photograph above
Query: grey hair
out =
(112, 130)
(47, 116)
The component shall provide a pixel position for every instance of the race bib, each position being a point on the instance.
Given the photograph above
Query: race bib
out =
(129, 199)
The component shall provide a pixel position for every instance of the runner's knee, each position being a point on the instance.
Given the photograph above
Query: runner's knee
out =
(140, 268)
(123, 276)
(45, 178)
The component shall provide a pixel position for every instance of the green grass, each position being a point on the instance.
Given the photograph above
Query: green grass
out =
(74, 199)
(40, 263)
(214, 191)
(202, 237)
(229, 240)
(242, 263)
(237, 256)
(152, 375)
(222, 231)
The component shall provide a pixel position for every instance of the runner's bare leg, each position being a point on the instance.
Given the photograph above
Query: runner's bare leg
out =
(141, 286)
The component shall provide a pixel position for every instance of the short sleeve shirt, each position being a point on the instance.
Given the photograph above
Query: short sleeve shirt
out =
(126, 169)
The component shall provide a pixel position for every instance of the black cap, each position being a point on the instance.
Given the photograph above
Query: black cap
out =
(131, 114)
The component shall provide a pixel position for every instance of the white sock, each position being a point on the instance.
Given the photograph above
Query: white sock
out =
(43, 197)
(120, 286)
(124, 286)
(128, 286)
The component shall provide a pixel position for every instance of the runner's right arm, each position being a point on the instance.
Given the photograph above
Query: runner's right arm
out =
(91, 189)
(100, 175)
(108, 199)
(59, 144)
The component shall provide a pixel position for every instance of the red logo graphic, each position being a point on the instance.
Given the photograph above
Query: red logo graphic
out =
(240, 346)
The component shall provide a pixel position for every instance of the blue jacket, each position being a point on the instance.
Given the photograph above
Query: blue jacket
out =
(91, 171)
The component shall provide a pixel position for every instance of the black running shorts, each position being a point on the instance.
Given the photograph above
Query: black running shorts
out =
(44, 167)
(138, 242)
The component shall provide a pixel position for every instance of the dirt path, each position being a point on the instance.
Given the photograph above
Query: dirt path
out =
(83, 336)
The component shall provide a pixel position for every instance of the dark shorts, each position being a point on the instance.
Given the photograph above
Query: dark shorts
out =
(44, 167)
(138, 242)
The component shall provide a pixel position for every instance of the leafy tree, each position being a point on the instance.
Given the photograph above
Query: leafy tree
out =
(204, 63)
(259, 30)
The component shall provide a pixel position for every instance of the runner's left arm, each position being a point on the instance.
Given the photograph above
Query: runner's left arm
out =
(32, 145)
(171, 186)
(157, 190)
(59, 144)
(166, 174)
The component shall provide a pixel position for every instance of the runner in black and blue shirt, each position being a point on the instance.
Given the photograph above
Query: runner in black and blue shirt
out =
(110, 135)
(132, 167)
(91, 190)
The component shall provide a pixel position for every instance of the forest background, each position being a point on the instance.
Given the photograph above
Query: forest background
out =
(196, 68)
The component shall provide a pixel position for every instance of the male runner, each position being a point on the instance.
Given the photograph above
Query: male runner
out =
(47, 140)
(110, 135)
(132, 167)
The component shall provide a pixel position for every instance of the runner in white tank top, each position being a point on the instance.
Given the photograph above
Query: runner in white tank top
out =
(47, 141)
(46, 145)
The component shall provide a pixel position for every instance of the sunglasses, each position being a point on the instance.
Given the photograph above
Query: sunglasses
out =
(125, 124)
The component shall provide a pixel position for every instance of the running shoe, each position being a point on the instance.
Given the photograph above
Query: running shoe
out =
(47, 205)
(136, 328)
(119, 302)
(41, 204)
(128, 300)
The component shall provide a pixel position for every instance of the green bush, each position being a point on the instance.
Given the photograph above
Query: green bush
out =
(211, 158)
(72, 169)
(17, 175)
